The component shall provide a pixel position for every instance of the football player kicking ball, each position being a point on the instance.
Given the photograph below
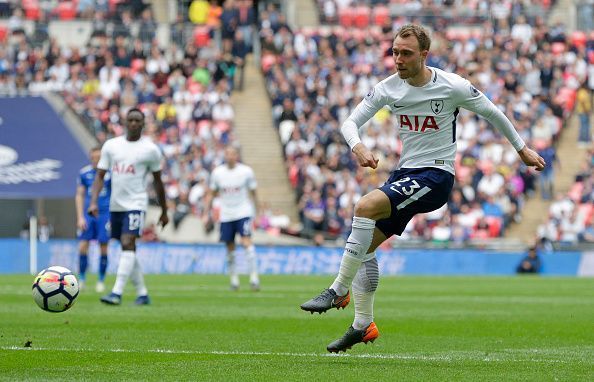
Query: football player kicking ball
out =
(426, 101)
(129, 158)
(91, 227)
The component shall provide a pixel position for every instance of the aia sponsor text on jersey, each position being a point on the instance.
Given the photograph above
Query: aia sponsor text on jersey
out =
(122, 168)
(418, 123)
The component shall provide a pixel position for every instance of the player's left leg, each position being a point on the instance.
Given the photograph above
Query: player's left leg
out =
(133, 233)
(231, 265)
(372, 207)
(250, 251)
(83, 251)
(103, 238)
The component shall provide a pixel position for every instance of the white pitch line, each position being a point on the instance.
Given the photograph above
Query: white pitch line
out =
(457, 356)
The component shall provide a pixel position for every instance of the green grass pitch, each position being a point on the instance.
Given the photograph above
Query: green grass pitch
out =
(431, 328)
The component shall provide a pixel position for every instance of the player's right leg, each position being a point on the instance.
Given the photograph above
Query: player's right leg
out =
(126, 263)
(372, 207)
(228, 231)
(329, 299)
(83, 249)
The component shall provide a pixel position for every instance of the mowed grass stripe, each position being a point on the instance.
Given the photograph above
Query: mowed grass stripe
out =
(504, 355)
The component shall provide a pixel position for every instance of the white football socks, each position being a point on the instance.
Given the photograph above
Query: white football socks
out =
(125, 267)
(364, 287)
(232, 269)
(253, 264)
(363, 308)
(354, 253)
(138, 279)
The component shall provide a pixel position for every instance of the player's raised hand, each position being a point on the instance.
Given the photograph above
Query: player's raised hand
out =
(163, 219)
(532, 159)
(364, 156)
(93, 210)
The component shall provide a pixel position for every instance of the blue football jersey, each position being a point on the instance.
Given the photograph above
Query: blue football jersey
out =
(86, 178)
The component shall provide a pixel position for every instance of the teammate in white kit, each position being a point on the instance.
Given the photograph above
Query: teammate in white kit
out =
(426, 101)
(235, 184)
(130, 159)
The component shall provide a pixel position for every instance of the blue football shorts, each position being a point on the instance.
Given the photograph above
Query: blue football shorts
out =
(413, 191)
(243, 227)
(126, 222)
(97, 228)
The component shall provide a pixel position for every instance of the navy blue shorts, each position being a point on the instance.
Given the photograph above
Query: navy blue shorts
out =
(126, 222)
(242, 226)
(413, 191)
(97, 228)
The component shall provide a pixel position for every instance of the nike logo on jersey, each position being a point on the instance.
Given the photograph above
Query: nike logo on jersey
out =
(398, 106)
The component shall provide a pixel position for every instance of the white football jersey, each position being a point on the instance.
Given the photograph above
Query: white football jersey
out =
(130, 162)
(234, 185)
(427, 116)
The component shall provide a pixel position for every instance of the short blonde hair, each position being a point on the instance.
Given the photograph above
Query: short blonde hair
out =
(419, 32)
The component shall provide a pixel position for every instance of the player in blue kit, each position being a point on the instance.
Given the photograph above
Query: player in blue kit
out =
(91, 227)
(426, 101)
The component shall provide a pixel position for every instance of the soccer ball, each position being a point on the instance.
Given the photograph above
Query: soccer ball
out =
(55, 289)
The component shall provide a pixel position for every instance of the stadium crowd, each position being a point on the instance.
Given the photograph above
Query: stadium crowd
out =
(184, 89)
(316, 76)
(570, 218)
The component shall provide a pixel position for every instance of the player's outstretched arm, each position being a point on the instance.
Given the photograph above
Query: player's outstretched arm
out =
(96, 188)
(531, 158)
(160, 190)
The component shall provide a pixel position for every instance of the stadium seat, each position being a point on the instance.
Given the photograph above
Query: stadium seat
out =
(346, 17)
(32, 9)
(201, 36)
(66, 10)
(3, 33)
(381, 14)
(579, 39)
(362, 16)
(495, 224)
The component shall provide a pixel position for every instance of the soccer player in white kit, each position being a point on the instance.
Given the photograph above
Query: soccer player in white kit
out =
(235, 184)
(426, 101)
(130, 158)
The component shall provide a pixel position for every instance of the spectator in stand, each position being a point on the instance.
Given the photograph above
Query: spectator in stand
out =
(246, 19)
(530, 263)
(547, 176)
(587, 235)
(584, 109)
